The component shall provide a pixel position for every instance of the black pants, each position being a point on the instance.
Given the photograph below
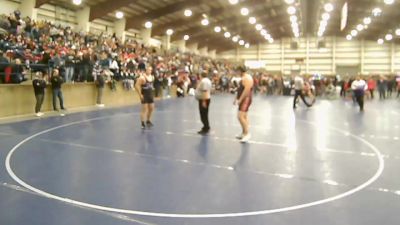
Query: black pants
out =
(58, 93)
(382, 94)
(360, 101)
(99, 95)
(204, 114)
(372, 93)
(39, 102)
(296, 95)
(342, 92)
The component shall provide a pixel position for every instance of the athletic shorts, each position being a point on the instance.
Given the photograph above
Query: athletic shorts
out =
(148, 100)
(245, 105)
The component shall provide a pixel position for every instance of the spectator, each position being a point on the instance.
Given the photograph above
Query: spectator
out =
(359, 87)
(39, 86)
(100, 81)
(56, 83)
(3, 64)
(371, 86)
(382, 87)
(18, 72)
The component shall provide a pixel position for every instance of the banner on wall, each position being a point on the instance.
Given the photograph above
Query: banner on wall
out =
(255, 64)
(343, 21)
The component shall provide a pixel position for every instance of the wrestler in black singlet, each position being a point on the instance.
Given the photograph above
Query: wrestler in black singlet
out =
(245, 104)
(147, 91)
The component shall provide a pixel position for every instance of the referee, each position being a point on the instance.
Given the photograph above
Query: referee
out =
(203, 95)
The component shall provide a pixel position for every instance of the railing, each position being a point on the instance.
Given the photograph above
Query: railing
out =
(73, 72)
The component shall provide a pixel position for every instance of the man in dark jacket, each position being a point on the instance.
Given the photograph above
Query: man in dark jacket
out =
(100, 81)
(39, 86)
(56, 82)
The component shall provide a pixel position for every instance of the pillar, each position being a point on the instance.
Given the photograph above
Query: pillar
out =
(204, 51)
(362, 56)
(193, 47)
(181, 45)
(145, 33)
(282, 56)
(212, 54)
(308, 55)
(119, 29)
(166, 42)
(392, 57)
(27, 8)
(334, 55)
(82, 16)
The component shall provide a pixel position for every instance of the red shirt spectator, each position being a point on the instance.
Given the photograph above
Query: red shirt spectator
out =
(371, 84)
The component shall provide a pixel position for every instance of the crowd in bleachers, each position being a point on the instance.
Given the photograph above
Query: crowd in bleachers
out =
(28, 46)
(81, 57)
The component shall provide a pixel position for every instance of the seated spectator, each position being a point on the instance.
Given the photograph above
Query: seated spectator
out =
(18, 72)
(3, 64)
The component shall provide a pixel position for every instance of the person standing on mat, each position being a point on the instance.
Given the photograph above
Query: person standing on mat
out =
(56, 82)
(144, 88)
(203, 95)
(39, 86)
(359, 87)
(299, 91)
(244, 99)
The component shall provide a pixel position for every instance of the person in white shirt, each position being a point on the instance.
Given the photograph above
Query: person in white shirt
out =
(359, 87)
(299, 91)
(203, 95)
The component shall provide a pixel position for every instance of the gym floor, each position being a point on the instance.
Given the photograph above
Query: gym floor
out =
(329, 164)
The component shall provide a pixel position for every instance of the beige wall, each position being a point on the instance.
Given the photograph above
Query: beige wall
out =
(369, 56)
(19, 99)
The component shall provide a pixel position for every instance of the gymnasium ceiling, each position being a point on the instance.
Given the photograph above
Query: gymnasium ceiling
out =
(271, 14)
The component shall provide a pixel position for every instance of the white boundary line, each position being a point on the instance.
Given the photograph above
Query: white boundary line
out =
(170, 215)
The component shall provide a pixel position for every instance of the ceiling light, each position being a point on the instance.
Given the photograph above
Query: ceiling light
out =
(328, 7)
(293, 18)
(170, 32)
(241, 42)
(233, 2)
(320, 34)
(349, 37)
(205, 22)
(376, 12)
(291, 10)
(398, 32)
(119, 15)
(247, 45)
(217, 29)
(227, 34)
(77, 2)
(271, 40)
(326, 16)
(380, 41)
(244, 11)
(267, 36)
(259, 27)
(263, 32)
(324, 23)
(188, 13)
(388, 37)
(148, 25)
(367, 20)
(289, 2)
(296, 34)
(354, 33)
(360, 27)
(252, 20)
(235, 39)
(388, 2)
(186, 37)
